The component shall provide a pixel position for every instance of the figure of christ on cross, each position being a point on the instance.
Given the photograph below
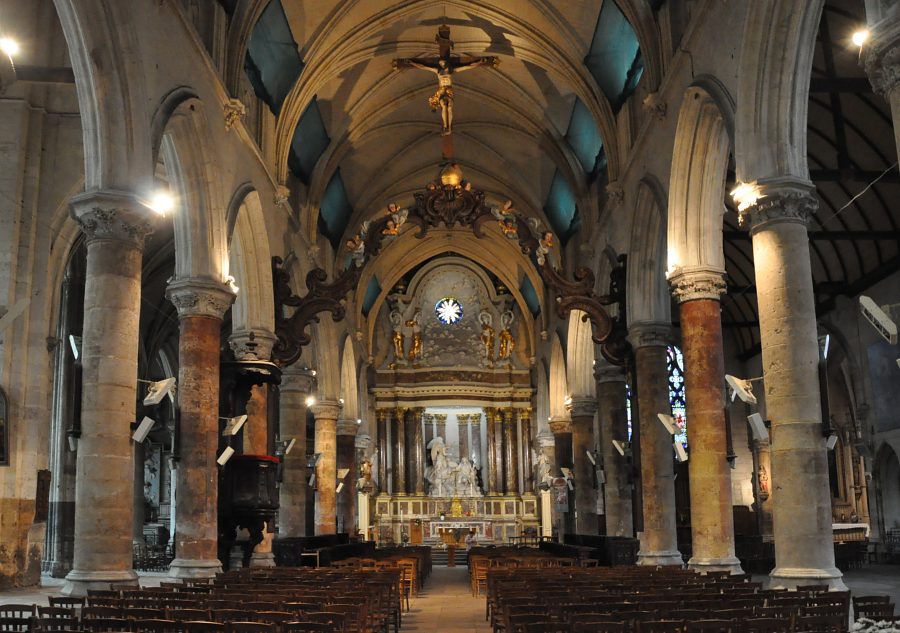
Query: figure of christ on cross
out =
(445, 66)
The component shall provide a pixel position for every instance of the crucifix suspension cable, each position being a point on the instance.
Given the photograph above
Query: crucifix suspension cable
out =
(445, 65)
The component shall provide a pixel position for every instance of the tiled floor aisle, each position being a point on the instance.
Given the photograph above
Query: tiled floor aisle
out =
(446, 605)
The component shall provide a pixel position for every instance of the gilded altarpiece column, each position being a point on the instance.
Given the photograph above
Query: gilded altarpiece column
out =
(398, 432)
(510, 453)
(416, 448)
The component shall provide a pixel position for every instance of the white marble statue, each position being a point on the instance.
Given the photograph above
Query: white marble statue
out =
(543, 469)
(449, 478)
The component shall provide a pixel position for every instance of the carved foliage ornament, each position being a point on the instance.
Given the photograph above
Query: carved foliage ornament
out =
(882, 60)
(782, 205)
(692, 285)
(199, 298)
(100, 223)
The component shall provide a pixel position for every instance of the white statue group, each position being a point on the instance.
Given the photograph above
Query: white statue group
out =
(449, 478)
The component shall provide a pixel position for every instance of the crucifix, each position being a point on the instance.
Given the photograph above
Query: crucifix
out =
(445, 66)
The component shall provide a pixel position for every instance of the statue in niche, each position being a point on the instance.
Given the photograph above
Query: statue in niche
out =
(365, 483)
(441, 473)
(506, 218)
(487, 335)
(415, 349)
(542, 466)
(397, 338)
(396, 219)
(507, 343)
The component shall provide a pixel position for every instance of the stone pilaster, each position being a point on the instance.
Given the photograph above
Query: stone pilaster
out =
(582, 410)
(614, 426)
(416, 448)
(804, 551)
(346, 458)
(398, 432)
(712, 520)
(429, 428)
(296, 385)
(659, 540)
(882, 62)
(511, 452)
(201, 304)
(115, 226)
(561, 427)
(326, 413)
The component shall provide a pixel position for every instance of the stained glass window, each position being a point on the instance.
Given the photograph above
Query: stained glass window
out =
(448, 311)
(675, 362)
(628, 408)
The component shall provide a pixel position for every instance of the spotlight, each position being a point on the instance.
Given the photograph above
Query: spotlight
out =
(858, 38)
(233, 425)
(289, 445)
(161, 202)
(668, 422)
(75, 344)
(359, 420)
(878, 318)
(590, 456)
(831, 442)
(225, 456)
(741, 388)
(143, 429)
(230, 281)
(745, 195)
(9, 46)
(758, 427)
(158, 390)
(310, 401)
(623, 448)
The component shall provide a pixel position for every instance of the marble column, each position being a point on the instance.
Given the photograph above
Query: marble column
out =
(475, 426)
(462, 421)
(582, 410)
(712, 520)
(115, 226)
(346, 458)
(494, 467)
(882, 61)
(526, 447)
(659, 540)
(381, 416)
(416, 451)
(296, 385)
(511, 452)
(440, 426)
(804, 551)
(201, 304)
(326, 413)
(399, 436)
(429, 428)
(614, 426)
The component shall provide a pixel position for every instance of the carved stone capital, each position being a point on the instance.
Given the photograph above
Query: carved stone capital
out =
(791, 202)
(649, 334)
(363, 442)
(347, 427)
(698, 283)
(282, 194)
(560, 425)
(200, 297)
(234, 110)
(326, 410)
(582, 407)
(882, 56)
(605, 371)
(297, 381)
(111, 215)
(252, 344)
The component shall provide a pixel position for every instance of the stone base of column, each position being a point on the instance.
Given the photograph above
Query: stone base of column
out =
(730, 564)
(660, 559)
(78, 582)
(194, 568)
(58, 569)
(790, 577)
(262, 559)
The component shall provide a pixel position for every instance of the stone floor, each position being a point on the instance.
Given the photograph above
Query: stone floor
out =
(446, 604)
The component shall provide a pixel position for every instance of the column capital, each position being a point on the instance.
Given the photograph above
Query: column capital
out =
(882, 56)
(111, 215)
(363, 441)
(784, 200)
(649, 334)
(546, 440)
(297, 381)
(582, 407)
(252, 344)
(199, 297)
(560, 425)
(604, 372)
(690, 284)
(346, 427)
(326, 410)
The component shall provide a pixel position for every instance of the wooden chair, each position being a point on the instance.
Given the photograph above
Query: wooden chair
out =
(99, 625)
(90, 612)
(820, 623)
(143, 613)
(54, 625)
(599, 626)
(883, 611)
(203, 626)
(183, 615)
(155, 625)
(708, 626)
(274, 617)
(309, 627)
(545, 627)
(68, 602)
(16, 618)
(326, 617)
(249, 627)
(765, 625)
(659, 626)
(227, 615)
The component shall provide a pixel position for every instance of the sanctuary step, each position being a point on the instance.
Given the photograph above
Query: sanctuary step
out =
(439, 556)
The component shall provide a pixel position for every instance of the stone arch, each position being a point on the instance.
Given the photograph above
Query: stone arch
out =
(558, 386)
(349, 388)
(773, 88)
(697, 186)
(580, 357)
(249, 264)
(887, 480)
(648, 294)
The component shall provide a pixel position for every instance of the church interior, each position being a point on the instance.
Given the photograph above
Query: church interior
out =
(441, 306)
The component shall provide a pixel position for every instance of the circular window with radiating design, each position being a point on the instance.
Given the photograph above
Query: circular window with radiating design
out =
(448, 311)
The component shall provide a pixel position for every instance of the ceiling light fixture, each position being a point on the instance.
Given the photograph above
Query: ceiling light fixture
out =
(745, 195)
(860, 37)
(161, 202)
(9, 46)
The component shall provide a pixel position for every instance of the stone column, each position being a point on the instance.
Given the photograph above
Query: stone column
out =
(659, 541)
(201, 304)
(326, 413)
(440, 426)
(882, 60)
(582, 410)
(462, 420)
(493, 459)
(115, 225)
(429, 428)
(475, 425)
(397, 432)
(614, 426)
(296, 385)
(712, 519)
(381, 420)
(804, 551)
(511, 452)
(346, 458)
(526, 450)
(416, 446)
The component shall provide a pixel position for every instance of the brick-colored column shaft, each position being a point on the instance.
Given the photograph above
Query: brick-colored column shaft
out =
(256, 428)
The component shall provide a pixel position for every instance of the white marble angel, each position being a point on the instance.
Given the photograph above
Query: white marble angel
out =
(396, 219)
(506, 218)
(542, 466)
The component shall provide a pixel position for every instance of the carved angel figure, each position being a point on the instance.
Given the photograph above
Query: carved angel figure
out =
(506, 218)
(415, 350)
(544, 246)
(487, 335)
(396, 219)
(397, 338)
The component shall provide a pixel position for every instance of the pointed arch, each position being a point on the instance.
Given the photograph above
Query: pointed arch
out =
(349, 388)
(648, 294)
(557, 380)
